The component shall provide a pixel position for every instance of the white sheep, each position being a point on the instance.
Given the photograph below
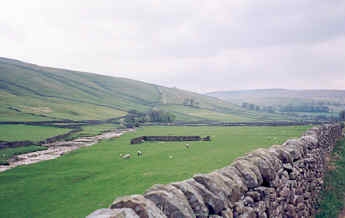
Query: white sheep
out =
(139, 153)
(187, 146)
(126, 156)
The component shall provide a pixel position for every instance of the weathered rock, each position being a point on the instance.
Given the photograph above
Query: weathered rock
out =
(300, 206)
(227, 213)
(295, 147)
(170, 200)
(291, 211)
(142, 206)
(283, 155)
(248, 212)
(260, 209)
(314, 131)
(217, 184)
(255, 195)
(194, 198)
(213, 202)
(265, 167)
(284, 192)
(262, 215)
(116, 213)
(248, 201)
(235, 176)
(250, 177)
(288, 167)
(251, 165)
(310, 141)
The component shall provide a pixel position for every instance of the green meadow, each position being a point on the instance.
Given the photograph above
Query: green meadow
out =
(30, 133)
(90, 178)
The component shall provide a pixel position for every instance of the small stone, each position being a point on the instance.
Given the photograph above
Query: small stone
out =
(300, 206)
(248, 201)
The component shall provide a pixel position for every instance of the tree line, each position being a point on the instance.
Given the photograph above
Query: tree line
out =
(287, 108)
(135, 118)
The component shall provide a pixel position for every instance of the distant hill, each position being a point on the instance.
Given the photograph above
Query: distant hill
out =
(30, 92)
(285, 99)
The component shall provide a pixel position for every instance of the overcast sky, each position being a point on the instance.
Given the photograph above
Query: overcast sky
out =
(195, 45)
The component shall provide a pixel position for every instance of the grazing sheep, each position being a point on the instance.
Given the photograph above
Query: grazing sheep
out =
(187, 146)
(139, 153)
(126, 156)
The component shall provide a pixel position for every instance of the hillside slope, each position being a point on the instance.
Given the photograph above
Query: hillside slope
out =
(333, 99)
(30, 93)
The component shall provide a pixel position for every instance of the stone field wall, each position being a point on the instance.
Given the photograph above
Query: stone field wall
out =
(281, 181)
(141, 139)
(15, 144)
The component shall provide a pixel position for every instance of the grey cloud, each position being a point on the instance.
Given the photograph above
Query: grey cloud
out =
(198, 45)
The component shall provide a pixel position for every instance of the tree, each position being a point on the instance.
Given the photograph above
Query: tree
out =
(134, 119)
(251, 107)
(191, 102)
(342, 115)
(156, 115)
(245, 105)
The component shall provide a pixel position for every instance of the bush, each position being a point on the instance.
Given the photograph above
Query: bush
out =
(342, 115)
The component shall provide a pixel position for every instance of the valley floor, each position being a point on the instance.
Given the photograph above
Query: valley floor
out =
(91, 177)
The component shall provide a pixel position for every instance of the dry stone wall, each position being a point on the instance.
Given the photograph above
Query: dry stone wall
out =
(142, 139)
(4, 144)
(281, 181)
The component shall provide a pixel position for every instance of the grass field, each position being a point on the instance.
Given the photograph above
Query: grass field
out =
(332, 197)
(31, 133)
(7, 153)
(90, 178)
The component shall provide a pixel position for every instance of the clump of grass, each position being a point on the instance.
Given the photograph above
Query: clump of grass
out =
(333, 194)
(7, 153)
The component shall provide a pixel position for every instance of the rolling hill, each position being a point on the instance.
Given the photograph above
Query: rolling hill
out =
(30, 92)
(281, 98)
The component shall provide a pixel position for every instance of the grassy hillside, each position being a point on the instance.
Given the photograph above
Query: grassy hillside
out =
(91, 177)
(333, 99)
(31, 93)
